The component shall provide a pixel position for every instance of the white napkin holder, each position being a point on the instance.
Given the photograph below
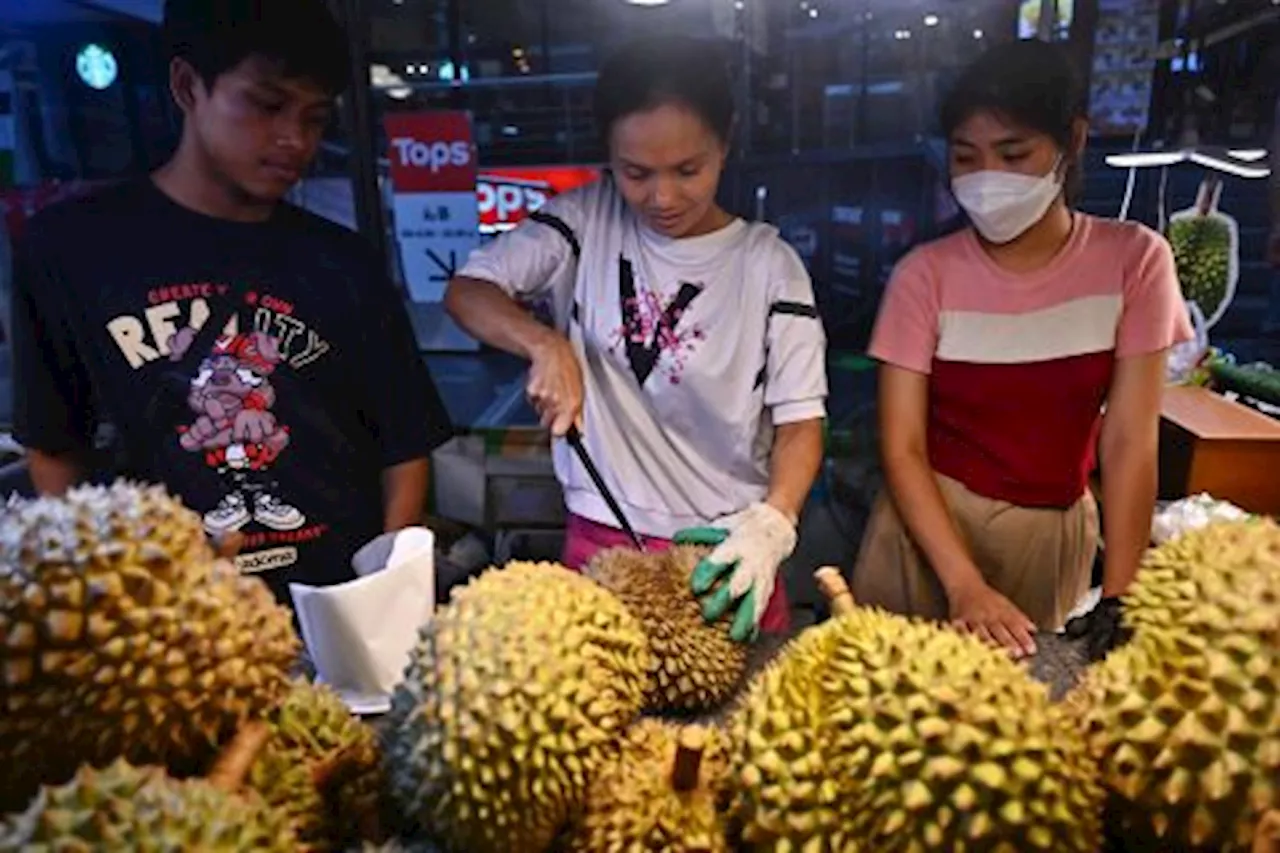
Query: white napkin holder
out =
(359, 634)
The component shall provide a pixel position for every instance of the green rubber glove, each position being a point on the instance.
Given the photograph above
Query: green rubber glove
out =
(740, 572)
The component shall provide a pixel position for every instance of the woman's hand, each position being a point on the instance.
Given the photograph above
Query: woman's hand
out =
(555, 385)
(978, 609)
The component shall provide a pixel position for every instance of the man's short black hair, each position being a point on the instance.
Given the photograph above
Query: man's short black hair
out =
(302, 37)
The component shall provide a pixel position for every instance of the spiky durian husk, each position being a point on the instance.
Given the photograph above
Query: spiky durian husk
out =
(1216, 578)
(1187, 732)
(322, 768)
(397, 846)
(875, 732)
(514, 695)
(123, 809)
(784, 796)
(696, 666)
(1185, 720)
(121, 636)
(633, 806)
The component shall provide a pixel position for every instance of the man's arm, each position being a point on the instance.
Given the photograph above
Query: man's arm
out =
(52, 410)
(405, 406)
(404, 491)
(53, 474)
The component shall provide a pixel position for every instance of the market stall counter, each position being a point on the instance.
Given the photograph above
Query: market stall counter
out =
(1214, 445)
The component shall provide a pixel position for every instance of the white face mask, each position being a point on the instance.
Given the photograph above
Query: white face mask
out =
(1004, 205)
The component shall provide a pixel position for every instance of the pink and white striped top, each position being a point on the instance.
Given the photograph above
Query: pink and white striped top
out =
(1019, 365)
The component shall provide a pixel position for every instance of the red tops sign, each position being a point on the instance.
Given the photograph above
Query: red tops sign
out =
(431, 152)
(508, 195)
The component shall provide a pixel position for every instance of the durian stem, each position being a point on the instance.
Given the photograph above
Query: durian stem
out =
(1266, 838)
(324, 772)
(688, 763)
(836, 589)
(236, 760)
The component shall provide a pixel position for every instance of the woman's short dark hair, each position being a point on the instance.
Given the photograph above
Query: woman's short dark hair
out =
(301, 36)
(652, 72)
(1034, 84)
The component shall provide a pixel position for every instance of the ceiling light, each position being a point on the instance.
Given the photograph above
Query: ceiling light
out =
(902, 35)
(1208, 159)
(648, 2)
(977, 34)
(813, 13)
(931, 20)
(1249, 155)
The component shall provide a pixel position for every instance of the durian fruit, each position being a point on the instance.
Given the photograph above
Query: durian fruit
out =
(696, 666)
(122, 808)
(1221, 577)
(1202, 248)
(664, 791)
(121, 636)
(397, 846)
(323, 768)
(515, 694)
(1267, 837)
(1187, 732)
(1185, 719)
(784, 796)
(876, 732)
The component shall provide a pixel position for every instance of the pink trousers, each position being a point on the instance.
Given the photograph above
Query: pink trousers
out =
(585, 538)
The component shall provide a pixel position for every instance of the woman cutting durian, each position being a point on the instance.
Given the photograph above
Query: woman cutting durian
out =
(687, 347)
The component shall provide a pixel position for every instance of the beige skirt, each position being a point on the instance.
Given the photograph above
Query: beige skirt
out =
(1040, 559)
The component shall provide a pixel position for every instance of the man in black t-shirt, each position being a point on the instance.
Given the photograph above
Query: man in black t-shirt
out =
(302, 418)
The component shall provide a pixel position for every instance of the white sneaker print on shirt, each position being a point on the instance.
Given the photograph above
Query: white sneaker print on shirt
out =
(228, 516)
(270, 511)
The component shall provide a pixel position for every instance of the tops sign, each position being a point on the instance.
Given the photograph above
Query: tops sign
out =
(508, 195)
(431, 152)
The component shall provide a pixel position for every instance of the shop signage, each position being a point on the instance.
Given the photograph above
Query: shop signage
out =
(433, 177)
(508, 195)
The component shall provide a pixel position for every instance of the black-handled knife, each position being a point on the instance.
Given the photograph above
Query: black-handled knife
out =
(575, 441)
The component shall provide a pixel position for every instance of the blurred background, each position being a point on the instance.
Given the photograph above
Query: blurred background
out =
(836, 146)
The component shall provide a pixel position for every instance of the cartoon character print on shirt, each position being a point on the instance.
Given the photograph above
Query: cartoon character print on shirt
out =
(234, 427)
(651, 332)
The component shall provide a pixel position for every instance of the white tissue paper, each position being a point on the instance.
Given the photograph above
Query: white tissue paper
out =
(359, 633)
(1189, 514)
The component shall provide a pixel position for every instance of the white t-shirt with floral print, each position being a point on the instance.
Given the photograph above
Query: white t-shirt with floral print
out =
(693, 350)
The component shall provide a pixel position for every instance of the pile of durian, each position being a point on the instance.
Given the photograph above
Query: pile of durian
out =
(150, 701)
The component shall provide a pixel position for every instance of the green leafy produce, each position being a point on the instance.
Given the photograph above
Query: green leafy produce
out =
(1259, 382)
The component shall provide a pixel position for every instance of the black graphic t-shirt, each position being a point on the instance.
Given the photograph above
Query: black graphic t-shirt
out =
(282, 428)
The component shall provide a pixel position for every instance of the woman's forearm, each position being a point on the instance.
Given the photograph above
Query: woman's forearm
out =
(1128, 502)
(794, 463)
(1128, 449)
(923, 510)
(493, 317)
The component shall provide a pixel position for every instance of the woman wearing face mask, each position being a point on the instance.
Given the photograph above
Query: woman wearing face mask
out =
(1008, 351)
(688, 349)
